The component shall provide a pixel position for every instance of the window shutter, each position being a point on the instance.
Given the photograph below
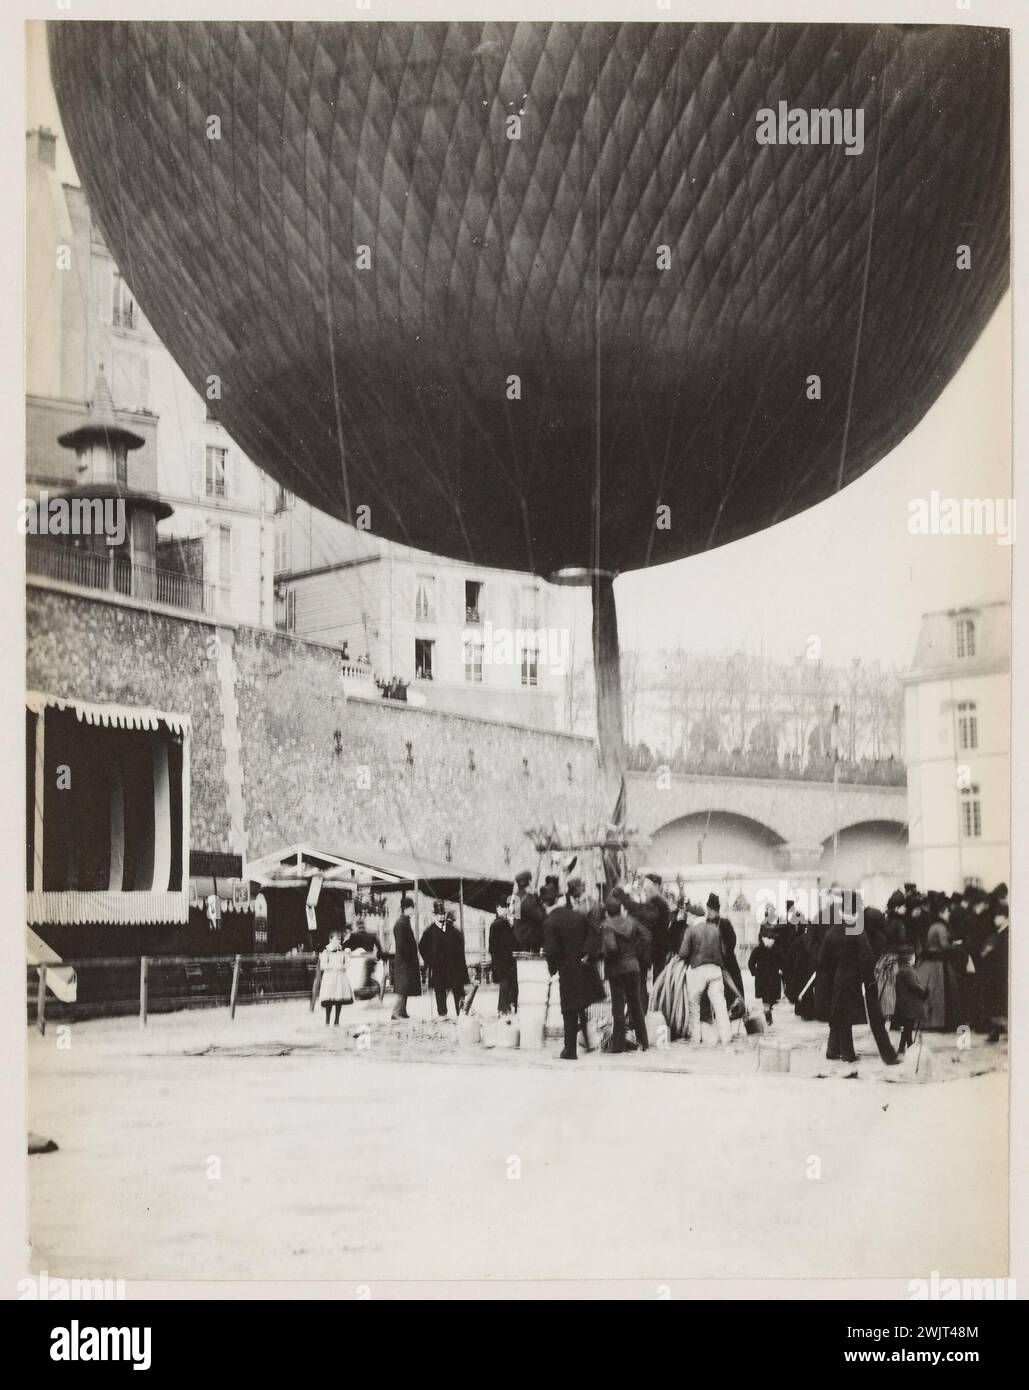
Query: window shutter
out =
(236, 546)
(235, 478)
(104, 292)
(197, 469)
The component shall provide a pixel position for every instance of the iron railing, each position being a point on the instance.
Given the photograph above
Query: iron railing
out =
(113, 574)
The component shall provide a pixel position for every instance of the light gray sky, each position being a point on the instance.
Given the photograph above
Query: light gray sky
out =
(848, 570)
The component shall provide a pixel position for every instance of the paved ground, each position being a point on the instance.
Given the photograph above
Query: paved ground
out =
(273, 1147)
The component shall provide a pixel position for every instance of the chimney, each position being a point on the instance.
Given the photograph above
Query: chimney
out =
(43, 146)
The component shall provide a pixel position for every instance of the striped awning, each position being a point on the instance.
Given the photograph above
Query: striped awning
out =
(85, 907)
(111, 716)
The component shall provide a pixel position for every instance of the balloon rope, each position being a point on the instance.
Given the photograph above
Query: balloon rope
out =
(864, 281)
(606, 664)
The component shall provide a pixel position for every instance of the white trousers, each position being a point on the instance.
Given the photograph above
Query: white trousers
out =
(701, 979)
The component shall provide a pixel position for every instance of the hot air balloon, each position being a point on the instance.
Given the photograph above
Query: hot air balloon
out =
(537, 294)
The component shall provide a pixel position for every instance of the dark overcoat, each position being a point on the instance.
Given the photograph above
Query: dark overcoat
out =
(407, 976)
(567, 937)
(501, 948)
(729, 962)
(845, 966)
(443, 953)
(765, 964)
(911, 996)
(528, 929)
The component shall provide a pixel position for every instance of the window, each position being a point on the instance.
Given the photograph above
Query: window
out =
(964, 638)
(971, 814)
(425, 598)
(123, 306)
(291, 610)
(121, 464)
(968, 725)
(473, 602)
(528, 606)
(214, 470)
(473, 662)
(423, 654)
(282, 548)
(530, 664)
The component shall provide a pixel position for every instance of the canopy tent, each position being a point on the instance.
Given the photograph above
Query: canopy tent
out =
(357, 870)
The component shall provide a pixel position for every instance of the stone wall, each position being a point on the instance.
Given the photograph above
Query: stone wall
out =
(91, 649)
(480, 782)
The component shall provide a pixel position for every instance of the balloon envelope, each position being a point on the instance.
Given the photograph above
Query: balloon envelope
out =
(515, 288)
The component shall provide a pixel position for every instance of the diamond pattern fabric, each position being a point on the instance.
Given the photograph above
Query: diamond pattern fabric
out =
(538, 257)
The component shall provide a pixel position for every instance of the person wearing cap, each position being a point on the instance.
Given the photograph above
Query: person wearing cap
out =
(653, 915)
(623, 938)
(571, 946)
(503, 965)
(528, 927)
(765, 964)
(406, 977)
(701, 949)
(909, 1006)
(442, 950)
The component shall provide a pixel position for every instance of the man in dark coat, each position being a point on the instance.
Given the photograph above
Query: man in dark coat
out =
(730, 964)
(502, 962)
(528, 928)
(623, 938)
(571, 945)
(845, 983)
(442, 950)
(653, 916)
(407, 976)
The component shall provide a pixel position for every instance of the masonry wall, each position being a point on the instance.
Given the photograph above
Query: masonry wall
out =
(297, 787)
(287, 703)
(82, 648)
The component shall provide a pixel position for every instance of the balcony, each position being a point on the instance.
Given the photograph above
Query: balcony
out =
(472, 615)
(113, 575)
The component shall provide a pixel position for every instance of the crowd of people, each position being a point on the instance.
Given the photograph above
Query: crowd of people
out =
(931, 962)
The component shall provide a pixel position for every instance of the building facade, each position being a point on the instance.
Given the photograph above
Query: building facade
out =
(957, 702)
(436, 632)
(81, 317)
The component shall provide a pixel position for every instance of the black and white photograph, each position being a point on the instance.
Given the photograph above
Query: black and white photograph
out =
(518, 525)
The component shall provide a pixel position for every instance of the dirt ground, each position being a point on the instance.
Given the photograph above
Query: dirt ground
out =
(273, 1147)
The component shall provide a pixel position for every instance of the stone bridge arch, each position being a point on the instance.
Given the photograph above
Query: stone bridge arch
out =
(793, 816)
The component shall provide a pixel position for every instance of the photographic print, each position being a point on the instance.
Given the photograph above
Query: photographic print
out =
(518, 525)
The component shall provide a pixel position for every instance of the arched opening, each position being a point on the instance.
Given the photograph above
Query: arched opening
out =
(868, 850)
(714, 837)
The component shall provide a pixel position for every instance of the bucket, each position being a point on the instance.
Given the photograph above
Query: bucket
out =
(657, 1029)
(773, 1057)
(469, 1029)
(530, 1025)
(507, 1032)
(489, 1032)
(533, 980)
